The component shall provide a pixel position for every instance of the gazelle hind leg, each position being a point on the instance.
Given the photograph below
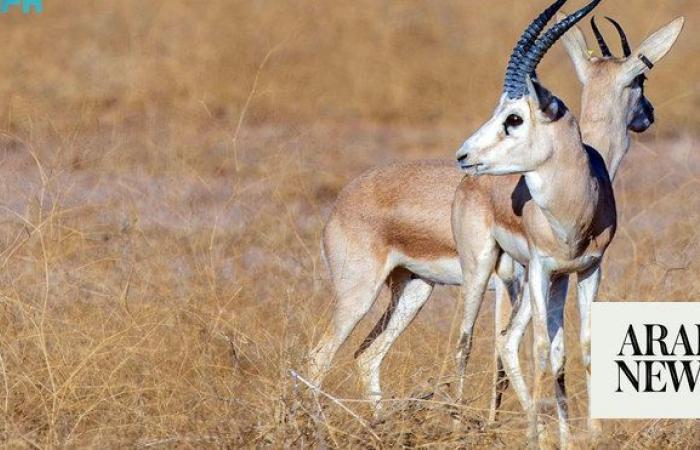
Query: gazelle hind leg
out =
(500, 380)
(509, 281)
(409, 294)
(352, 305)
(509, 344)
(357, 280)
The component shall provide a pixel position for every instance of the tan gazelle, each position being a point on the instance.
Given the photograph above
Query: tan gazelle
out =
(555, 213)
(392, 225)
(349, 267)
(611, 108)
(396, 219)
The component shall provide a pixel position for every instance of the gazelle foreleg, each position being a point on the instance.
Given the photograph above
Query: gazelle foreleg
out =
(409, 294)
(477, 266)
(509, 281)
(555, 327)
(500, 380)
(508, 346)
(587, 290)
(539, 276)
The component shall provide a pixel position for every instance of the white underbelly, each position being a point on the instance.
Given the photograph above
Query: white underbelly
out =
(574, 265)
(439, 271)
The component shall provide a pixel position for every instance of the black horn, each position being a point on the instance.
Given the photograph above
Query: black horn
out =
(529, 36)
(601, 40)
(623, 37)
(530, 62)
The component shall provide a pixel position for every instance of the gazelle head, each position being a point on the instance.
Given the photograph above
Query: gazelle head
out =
(519, 135)
(529, 120)
(613, 87)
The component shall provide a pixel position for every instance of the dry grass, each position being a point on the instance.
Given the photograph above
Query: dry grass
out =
(163, 192)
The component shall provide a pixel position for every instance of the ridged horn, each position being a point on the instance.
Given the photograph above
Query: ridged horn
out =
(523, 45)
(540, 48)
(604, 49)
(623, 37)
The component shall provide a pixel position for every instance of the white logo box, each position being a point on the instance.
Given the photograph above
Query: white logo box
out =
(610, 330)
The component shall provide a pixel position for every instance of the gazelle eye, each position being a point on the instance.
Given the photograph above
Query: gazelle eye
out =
(512, 121)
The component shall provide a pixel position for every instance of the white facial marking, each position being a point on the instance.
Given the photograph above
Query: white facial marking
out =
(503, 145)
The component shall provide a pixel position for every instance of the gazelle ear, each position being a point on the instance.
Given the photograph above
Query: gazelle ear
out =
(653, 49)
(577, 48)
(552, 108)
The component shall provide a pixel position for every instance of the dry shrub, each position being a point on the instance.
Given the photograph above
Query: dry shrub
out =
(163, 192)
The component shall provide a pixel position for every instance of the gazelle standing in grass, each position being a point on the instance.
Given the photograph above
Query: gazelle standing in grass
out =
(403, 228)
(552, 209)
(386, 230)
(612, 106)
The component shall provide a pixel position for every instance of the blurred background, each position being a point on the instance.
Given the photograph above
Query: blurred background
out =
(167, 167)
(390, 62)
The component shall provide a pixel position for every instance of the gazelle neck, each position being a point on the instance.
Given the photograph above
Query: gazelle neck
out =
(604, 127)
(565, 189)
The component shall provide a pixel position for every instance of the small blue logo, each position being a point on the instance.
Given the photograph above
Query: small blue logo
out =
(27, 6)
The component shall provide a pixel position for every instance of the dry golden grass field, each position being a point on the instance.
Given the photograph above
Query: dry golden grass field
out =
(167, 167)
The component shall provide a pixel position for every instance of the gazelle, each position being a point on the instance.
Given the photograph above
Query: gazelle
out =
(612, 106)
(553, 210)
(351, 236)
(383, 225)
(385, 230)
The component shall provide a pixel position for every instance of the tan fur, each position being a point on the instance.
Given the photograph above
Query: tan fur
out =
(587, 202)
(402, 216)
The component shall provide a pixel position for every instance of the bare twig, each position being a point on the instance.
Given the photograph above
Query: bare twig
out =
(295, 375)
(244, 110)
